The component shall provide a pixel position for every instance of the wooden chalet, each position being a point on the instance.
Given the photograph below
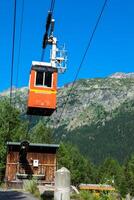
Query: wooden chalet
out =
(26, 160)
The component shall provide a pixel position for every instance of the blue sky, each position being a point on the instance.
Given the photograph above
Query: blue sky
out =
(111, 50)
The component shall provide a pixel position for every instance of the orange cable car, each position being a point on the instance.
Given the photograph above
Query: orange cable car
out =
(43, 80)
(42, 89)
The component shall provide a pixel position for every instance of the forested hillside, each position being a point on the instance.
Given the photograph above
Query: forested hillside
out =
(98, 120)
(98, 117)
(110, 138)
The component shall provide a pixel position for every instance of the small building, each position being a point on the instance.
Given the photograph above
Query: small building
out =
(27, 160)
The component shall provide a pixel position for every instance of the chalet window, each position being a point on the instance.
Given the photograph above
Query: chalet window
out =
(44, 79)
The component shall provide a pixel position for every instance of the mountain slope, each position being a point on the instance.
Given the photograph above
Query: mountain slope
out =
(114, 137)
(98, 116)
(89, 97)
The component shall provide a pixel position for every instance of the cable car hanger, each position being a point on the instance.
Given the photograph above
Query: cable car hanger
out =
(43, 76)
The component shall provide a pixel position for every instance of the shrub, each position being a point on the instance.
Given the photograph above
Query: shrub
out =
(85, 195)
(32, 187)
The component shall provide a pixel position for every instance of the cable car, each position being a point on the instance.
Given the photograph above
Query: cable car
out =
(42, 89)
(43, 79)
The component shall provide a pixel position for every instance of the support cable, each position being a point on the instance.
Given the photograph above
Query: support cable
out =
(20, 38)
(52, 6)
(13, 44)
(83, 58)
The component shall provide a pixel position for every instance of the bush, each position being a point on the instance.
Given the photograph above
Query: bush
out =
(32, 187)
(109, 196)
(85, 195)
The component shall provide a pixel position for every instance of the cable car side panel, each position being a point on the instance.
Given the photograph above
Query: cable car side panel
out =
(42, 98)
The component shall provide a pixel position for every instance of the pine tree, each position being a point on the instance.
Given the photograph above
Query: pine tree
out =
(41, 134)
(110, 172)
(81, 169)
(129, 175)
(12, 128)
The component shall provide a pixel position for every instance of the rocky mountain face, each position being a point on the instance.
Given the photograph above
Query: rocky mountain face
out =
(88, 97)
(122, 75)
(97, 115)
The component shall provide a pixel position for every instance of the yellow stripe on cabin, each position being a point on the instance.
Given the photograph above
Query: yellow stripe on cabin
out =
(43, 91)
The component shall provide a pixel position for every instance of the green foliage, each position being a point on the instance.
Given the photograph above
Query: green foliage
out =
(80, 168)
(110, 172)
(12, 128)
(108, 196)
(109, 136)
(86, 195)
(41, 134)
(32, 187)
(8, 120)
(129, 175)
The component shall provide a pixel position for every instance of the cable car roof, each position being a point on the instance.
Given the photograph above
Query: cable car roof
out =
(41, 63)
(43, 66)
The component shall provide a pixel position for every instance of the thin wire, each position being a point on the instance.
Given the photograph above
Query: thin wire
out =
(13, 44)
(83, 58)
(20, 38)
(52, 6)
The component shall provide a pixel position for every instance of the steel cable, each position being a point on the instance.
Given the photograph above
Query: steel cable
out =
(13, 45)
(82, 60)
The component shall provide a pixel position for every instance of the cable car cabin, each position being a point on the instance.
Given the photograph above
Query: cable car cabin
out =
(42, 89)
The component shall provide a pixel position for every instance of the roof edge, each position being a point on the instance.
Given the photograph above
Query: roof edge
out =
(34, 144)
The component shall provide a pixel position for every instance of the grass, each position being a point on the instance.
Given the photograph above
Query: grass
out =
(32, 187)
(86, 195)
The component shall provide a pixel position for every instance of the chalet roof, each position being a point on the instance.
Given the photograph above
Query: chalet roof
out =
(33, 144)
(34, 147)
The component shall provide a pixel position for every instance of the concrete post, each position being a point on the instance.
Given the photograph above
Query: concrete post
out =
(62, 184)
(128, 197)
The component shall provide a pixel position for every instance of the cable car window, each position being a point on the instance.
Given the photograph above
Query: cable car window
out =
(44, 79)
(39, 78)
(48, 79)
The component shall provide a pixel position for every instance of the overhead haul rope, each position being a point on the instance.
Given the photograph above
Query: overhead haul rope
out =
(20, 38)
(48, 23)
(83, 58)
(13, 44)
(12, 63)
(19, 49)
(52, 6)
